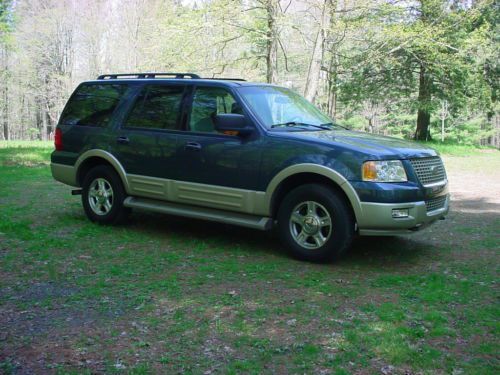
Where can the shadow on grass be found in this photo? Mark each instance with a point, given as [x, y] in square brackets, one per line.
[389, 251]
[384, 253]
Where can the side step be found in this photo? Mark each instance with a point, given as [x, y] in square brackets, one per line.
[203, 213]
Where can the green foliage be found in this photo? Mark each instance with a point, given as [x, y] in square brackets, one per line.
[371, 58]
[453, 43]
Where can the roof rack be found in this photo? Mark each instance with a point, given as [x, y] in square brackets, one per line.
[158, 75]
[226, 79]
[147, 75]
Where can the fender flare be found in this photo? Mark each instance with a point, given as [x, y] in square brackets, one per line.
[109, 158]
[321, 170]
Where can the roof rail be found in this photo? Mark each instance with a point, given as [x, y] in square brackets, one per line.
[226, 79]
[147, 75]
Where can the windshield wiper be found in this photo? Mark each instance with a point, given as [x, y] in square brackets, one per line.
[333, 125]
[295, 123]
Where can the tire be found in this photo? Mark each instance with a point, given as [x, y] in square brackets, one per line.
[315, 223]
[103, 195]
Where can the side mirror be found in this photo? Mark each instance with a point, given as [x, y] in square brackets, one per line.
[232, 123]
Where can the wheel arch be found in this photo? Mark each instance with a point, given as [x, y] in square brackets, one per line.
[93, 158]
[301, 174]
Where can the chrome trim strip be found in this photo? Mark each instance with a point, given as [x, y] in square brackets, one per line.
[436, 184]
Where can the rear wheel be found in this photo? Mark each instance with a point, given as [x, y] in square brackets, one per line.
[103, 195]
[315, 223]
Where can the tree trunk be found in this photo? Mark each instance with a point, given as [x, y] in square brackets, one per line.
[313, 73]
[424, 100]
[332, 84]
[272, 42]
[5, 97]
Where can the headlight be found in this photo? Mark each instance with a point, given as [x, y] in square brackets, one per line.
[384, 171]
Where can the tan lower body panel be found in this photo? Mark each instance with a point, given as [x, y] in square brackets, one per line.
[218, 197]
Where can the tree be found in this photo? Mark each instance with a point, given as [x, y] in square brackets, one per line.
[316, 62]
[5, 29]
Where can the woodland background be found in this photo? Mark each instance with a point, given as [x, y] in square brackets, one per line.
[425, 69]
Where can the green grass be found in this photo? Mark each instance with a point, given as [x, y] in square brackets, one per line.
[458, 149]
[25, 153]
[169, 295]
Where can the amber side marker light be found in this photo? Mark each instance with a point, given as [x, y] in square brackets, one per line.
[369, 171]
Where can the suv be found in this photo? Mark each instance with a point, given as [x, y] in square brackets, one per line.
[249, 154]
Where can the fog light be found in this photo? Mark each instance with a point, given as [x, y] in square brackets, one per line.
[400, 213]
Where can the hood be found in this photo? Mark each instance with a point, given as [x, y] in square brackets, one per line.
[375, 145]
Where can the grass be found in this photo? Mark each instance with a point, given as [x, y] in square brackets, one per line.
[458, 149]
[168, 295]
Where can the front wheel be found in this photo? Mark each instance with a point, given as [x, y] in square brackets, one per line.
[315, 223]
[103, 195]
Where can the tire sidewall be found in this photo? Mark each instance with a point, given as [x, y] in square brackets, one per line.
[340, 214]
[113, 179]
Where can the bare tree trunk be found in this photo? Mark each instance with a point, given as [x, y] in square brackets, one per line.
[313, 73]
[272, 42]
[332, 86]
[5, 97]
[424, 99]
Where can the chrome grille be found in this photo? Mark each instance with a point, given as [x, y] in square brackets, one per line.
[435, 203]
[429, 170]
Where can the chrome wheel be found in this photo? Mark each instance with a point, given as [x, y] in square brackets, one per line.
[100, 196]
[310, 225]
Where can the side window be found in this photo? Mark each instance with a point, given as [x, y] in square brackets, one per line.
[156, 107]
[208, 102]
[93, 104]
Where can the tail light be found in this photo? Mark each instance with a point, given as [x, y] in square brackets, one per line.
[58, 143]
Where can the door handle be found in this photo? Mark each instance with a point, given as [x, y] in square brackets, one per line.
[123, 140]
[193, 146]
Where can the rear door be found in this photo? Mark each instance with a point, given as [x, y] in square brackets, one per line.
[146, 140]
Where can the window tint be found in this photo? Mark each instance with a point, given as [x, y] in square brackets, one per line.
[93, 105]
[157, 107]
[208, 102]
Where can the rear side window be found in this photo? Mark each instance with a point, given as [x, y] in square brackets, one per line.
[93, 104]
[157, 107]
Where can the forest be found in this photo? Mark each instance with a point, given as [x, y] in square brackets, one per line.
[417, 69]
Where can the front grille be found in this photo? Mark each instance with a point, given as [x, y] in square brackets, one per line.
[435, 203]
[429, 170]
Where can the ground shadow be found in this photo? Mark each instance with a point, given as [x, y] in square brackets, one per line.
[387, 251]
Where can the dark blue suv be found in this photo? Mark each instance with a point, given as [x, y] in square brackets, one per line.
[242, 153]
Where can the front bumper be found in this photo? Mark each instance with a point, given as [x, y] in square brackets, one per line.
[377, 220]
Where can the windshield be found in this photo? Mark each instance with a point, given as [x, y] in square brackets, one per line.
[281, 107]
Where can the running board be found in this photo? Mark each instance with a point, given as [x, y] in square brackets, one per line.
[227, 217]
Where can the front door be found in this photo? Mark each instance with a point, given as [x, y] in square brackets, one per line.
[219, 170]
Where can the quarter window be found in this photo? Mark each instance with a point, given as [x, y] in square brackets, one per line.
[208, 102]
[157, 107]
[93, 104]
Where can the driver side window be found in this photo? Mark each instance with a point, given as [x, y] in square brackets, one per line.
[207, 103]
